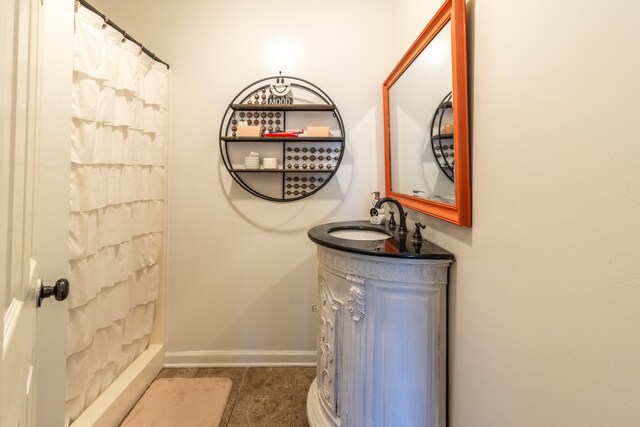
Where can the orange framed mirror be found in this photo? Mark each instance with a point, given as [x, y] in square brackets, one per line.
[426, 130]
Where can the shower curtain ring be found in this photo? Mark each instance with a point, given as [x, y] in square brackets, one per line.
[106, 22]
[124, 36]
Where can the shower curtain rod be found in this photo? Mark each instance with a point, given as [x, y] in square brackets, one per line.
[121, 31]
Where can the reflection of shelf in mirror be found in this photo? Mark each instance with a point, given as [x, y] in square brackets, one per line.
[281, 107]
[298, 139]
[443, 136]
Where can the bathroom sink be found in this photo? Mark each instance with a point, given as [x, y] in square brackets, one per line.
[362, 237]
[358, 233]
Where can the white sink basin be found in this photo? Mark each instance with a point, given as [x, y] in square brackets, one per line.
[359, 234]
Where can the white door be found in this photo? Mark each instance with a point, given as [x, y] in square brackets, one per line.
[34, 175]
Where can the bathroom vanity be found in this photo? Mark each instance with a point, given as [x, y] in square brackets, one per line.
[381, 328]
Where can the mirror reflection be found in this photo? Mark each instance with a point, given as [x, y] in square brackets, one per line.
[421, 124]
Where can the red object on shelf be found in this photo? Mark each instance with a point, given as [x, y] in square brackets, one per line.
[281, 135]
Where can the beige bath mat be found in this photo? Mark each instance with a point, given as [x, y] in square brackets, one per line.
[172, 402]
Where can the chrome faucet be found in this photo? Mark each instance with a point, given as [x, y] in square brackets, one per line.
[403, 222]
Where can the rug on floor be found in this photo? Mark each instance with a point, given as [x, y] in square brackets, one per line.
[169, 402]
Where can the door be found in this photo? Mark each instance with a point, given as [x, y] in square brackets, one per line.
[34, 170]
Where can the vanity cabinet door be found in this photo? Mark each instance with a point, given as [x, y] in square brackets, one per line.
[331, 301]
[342, 354]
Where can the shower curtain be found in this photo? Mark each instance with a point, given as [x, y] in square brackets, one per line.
[117, 206]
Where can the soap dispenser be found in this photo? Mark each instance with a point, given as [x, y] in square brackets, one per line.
[376, 214]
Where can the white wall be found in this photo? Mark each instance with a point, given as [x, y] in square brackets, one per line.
[544, 293]
[241, 271]
[543, 312]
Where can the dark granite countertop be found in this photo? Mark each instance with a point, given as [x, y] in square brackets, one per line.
[394, 247]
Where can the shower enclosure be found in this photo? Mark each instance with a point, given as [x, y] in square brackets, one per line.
[117, 217]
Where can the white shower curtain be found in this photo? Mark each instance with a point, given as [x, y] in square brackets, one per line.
[117, 206]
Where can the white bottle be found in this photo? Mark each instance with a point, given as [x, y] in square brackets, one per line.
[376, 214]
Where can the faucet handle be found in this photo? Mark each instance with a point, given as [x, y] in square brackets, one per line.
[417, 235]
[392, 220]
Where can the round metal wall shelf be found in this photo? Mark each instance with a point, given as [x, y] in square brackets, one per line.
[305, 163]
[441, 138]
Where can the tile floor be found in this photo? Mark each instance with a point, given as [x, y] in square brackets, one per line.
[259, 396]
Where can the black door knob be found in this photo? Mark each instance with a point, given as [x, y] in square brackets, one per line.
[60, 291]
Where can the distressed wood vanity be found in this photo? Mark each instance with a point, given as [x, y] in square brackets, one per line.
[381, 330]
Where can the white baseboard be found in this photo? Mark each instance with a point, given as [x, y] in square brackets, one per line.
[114, 403]
[204, 359]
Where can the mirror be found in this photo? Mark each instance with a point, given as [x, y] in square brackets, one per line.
[426, 124]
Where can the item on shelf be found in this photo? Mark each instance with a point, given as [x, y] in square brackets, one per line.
[270, 163]
[296, 131]
[329, 167]
[249, 131]
[320, 166]
[312, 166]
[252, 161]
[281, 135]
[318, 131]
[280, 92]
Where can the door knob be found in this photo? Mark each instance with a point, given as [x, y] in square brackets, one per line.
[60, 291]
